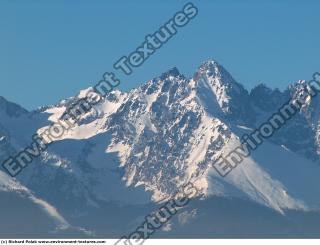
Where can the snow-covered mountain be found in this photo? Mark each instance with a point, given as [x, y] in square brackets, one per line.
[138, 148]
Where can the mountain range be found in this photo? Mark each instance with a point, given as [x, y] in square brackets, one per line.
[134, 150]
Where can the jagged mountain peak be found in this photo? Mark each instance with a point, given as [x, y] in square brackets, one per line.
[212, 69]
[209, 65]
[263, 88]
[212, 74]
[266, 98]
[174, 72]
[10, 108]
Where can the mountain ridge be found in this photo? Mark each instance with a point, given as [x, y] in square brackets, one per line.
[138, 147]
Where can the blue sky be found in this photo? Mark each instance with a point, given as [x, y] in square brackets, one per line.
[49, 50]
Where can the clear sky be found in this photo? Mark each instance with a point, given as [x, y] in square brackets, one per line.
[49, 50]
